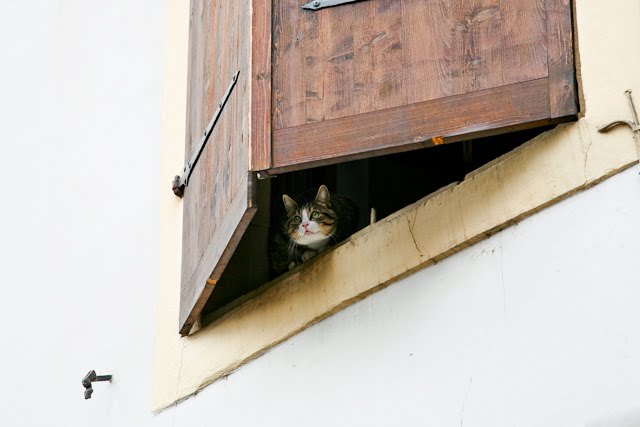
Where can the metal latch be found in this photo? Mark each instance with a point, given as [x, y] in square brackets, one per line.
[634, 124]
[321, 4]
[91, 377]
[180, 182]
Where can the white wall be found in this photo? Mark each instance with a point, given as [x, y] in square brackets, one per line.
[537, 326]
[80, 108]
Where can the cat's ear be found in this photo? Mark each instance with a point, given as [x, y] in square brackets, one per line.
[289, 203]
[323, 195]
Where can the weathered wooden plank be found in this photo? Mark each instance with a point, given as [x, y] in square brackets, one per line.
[218, 253]
[524, 40]
[288, 64]
[387, 44]
[338, 48]
[381, 54]
[476, 45]
[260, 145]
[413, 126]
[364, 32]
[335, 62]
[215, 203]
[562, 86]
[313, 72]
[427, 57]
[416, 51]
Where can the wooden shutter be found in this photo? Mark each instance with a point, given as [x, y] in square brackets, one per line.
[380, 76]
[352, 81]
[219, 200]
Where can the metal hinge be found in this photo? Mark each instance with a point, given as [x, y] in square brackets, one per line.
[321, 4]
[180, 182]
[634, 124]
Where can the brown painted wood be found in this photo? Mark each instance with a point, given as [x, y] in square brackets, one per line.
[380, 54]
[260, 85]
[217, 204]
[369, 77]
[413, 126]
[562, 88]
[524, 40]
[428, 57]
[388, 67]
[477, 45]
[217, 254]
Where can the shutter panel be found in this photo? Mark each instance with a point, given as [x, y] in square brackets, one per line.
[219, 199]
[381, 76]
[352, 81]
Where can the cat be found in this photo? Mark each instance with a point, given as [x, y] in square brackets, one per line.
[310, 227]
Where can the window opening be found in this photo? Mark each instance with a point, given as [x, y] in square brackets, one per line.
[387, 183]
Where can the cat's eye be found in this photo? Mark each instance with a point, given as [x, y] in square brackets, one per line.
[296, 219]
[315, 215]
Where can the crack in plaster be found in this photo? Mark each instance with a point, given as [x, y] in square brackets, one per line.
[582, 130]
[464, 400]
[483, 359]
[177, 400]
[413, 237]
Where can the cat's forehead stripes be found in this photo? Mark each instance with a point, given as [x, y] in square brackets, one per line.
[322, 210]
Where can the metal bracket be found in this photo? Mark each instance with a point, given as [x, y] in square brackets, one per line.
[180, 182]
[264, 175]
[92, 377]
[634, 124]
[321, 4]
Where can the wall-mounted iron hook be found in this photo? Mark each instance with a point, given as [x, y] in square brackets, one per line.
[92, 377]
[634, 125]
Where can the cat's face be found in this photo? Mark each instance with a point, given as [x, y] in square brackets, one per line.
[311, 224]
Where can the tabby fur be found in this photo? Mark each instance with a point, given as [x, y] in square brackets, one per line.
[310, 227]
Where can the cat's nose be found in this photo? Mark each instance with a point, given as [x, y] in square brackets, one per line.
[305, 225]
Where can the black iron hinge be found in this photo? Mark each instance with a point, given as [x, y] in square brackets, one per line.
[321, 4]
[180, 182]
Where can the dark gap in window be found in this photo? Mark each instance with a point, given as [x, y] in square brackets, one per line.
[386, 183]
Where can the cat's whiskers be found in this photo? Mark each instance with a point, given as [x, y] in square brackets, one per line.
[292, 249]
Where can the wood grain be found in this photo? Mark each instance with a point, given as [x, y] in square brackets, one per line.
[313, 70]
[562, 87]
[216, 256]
[524, 40]
[215, 203]
[380, 54]
[387, 45]
[428, 54]
[376, 72]
[260, 85]
[476, 45]
[480, 113]
[364, 31]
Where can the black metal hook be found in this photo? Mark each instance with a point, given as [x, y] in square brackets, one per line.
[92, 377]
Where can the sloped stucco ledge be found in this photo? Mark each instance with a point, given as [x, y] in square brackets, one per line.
[554, 165]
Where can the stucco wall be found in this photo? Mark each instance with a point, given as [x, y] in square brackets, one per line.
[80, 108]
[536, 326]
[553, 166]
